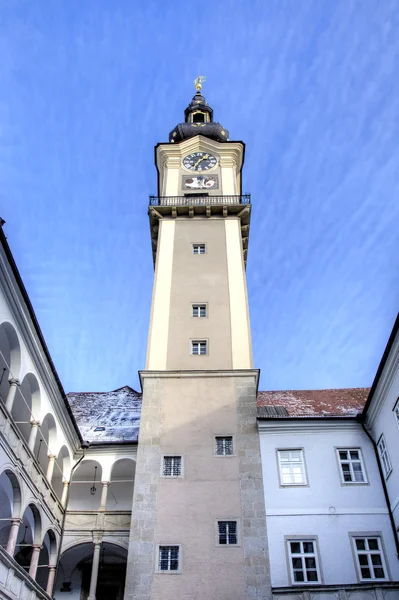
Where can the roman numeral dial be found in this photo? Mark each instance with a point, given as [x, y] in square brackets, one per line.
[200, 161]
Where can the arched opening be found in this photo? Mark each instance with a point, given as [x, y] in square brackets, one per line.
[85, 489]
[47, 558]
[62, 470]
[29, 533]
[75, 570]
[46, 440]
[26, 404]
[120, 491]
[199, 117]
[10, 503]
[10, 358]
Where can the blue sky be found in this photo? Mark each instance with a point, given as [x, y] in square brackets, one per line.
[86, 91]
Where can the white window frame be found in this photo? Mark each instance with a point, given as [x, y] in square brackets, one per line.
[238, 532]
[367, 552]
[199, 305]
[172, 455]
[158, 557]
[351, 461]
[302, 464]
[383, 454]
[198, 245]
[302, 556]
[396, 412]
[199, 341]
[220, 436]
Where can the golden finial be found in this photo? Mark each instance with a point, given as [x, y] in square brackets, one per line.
[198, 81]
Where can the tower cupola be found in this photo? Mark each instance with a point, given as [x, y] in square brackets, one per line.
[198, 120]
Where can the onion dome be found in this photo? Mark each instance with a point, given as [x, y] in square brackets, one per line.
[198, 120]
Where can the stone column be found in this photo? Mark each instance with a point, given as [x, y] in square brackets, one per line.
[50, 467]
[104, 493]
[50, 581]
[65, 493]
[34, 561]
[13, 535]
[14, 383]
[33, 434]
[94, 571]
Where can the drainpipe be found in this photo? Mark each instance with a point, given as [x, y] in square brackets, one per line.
[84, 447]
[384, 487]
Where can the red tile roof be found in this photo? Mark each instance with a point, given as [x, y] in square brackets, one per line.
[315, 403]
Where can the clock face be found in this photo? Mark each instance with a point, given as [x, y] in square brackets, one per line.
[199, 161]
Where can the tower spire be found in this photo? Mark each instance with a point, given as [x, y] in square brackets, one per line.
[198, 120]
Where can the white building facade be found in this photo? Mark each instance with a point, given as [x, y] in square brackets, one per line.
[329, 528]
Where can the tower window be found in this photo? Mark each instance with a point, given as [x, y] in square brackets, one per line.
[172, 466]
[199, 347]
[227, 531]
[224, 445]
[198, 117]
[198, 248]
[199, 310]
[168, 558]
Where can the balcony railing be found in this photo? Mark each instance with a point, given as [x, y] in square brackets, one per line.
[199, 200]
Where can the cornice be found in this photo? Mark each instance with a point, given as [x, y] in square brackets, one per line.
[200, 374]
[308, 425]
[230, 153]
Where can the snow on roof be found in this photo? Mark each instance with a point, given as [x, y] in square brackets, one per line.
[317, 403]
[107, 416]
[115, 416]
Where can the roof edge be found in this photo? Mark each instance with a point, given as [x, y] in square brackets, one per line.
[381, 366]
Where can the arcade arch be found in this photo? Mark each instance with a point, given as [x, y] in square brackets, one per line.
[85, 488]
[75, 571]
[10, 504]
[10, 357]
[120, 492]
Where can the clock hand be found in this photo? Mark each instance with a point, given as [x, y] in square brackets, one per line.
[201, 159]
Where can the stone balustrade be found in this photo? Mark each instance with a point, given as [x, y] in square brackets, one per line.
[15, 582]
[90, 520]
[17, 448]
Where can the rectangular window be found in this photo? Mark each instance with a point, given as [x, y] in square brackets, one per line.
[168, 558]
[199, 310]
[171, 466]
[384, 456]
[198, 248]
[370, 558]
[351, 463]
[199, 347]
[396, 412]
[303, 561]
[224, 445]
[227, 531]
[292, 467]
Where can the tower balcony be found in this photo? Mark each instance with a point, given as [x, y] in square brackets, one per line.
[200, 200]
[200, 206]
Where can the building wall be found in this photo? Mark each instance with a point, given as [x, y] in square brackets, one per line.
[325, 507]
[217, 279]
[181, 415]
[381, 419]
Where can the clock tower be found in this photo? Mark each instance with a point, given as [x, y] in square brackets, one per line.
[198, 519]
